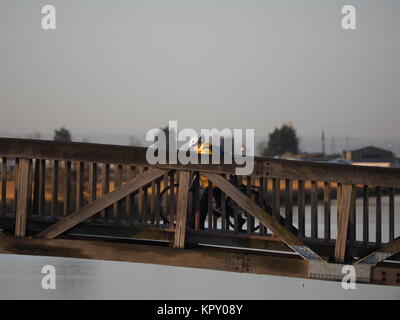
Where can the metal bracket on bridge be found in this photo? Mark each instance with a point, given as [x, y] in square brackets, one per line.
[375, 258]
[305, 252]
[322, 270]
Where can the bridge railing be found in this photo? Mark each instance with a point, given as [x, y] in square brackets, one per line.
[305, 197]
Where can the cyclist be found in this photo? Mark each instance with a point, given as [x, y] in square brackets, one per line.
[201, 146]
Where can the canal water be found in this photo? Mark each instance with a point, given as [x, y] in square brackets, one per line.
[21, 277]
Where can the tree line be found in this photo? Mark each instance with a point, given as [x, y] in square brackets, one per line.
[280, 140]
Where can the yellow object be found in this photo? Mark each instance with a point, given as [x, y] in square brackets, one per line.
[205, 148]
[204, 181]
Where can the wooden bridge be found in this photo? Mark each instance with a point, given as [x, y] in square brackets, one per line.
[289, 218]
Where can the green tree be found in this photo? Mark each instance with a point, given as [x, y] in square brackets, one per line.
[282, 140]
[62, 134]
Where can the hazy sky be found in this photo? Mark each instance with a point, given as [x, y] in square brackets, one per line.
[122, 67]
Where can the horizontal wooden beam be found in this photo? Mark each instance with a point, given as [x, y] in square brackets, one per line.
[327, 172]
[276, 168]
[201, 257]
[266, 219]
[101, 203]
[92, 152]
[212, 238]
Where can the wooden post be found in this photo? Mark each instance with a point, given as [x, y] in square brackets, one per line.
[105, 187]
[67, 188]
[3, 209]
[54, 191]
[345, 204]
[181, 215]
[327, 211]
[23, 197]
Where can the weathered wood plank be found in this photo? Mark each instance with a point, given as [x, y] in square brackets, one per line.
[365, 214]
[80, 184]
[145, 204]
[210, 213]
[262, 201]
[100, 204]
[35, 201]
[301, 208]
[30, 188]
[181, 213]
[346, 174]
[3, 186]
[224, 218]
[202, 257]
[129, 201]
[269, 221]
[117, 183]
[314, 210]
[16, 174]
[196, 201]
[21, 213]
[352, 218]
[276, 191]
[105, 187]
[289, 203]
[67, 188]
[378, 217]
[327, 210]
[54, 189]
[249, 217]
[383, 253]
[344, 208]
[42, 187]
[140, 200]
[158, 202]
[171, 199]
[391, 214]
[92, 181]
[216, 238]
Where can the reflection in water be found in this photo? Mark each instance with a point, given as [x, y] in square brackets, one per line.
[20, 277]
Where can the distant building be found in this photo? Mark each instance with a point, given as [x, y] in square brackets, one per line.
[316, 157]
[371, 156]
[367, 156]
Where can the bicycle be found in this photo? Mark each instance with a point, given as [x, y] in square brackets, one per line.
[230, 206]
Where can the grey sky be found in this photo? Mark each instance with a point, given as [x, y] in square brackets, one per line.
[122, 67]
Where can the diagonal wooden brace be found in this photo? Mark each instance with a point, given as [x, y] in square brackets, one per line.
[100, 204]
[381, 254]
[267, 220]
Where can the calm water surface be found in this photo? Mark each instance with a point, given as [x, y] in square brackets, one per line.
[20, 278]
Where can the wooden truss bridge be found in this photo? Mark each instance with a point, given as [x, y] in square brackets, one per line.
[288, 218]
